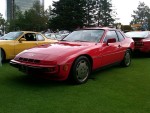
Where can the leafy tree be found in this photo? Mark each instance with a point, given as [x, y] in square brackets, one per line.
[2, 20]
[142, 14]
[15, 22]
[68, 14]
[2, 23]
[104, 11]
[89, 15]
[49, 13]
[34, 19]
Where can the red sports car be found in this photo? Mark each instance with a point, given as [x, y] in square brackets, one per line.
[141, 39]
[77, 55]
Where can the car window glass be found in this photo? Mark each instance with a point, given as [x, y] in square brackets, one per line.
[52, 36]
[87, 35]
[39, 37]
[111, 34]
[120, 36]
[138, 34]
[29, 37]
[149, 35]
[12, 35]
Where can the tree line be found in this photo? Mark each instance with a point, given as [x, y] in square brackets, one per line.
[70, 15]
[141, 16]
[65, 14]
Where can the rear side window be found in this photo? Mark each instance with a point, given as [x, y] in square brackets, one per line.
[111, 34]
[120, 36]
[149, 34]
[39, 37]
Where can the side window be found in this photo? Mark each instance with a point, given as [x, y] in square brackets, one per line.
[121, 37]
[111, 34]
[29, 37]
[53, 36]
[39, 37]
[148, 34]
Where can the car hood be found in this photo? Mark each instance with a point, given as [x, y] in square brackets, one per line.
[57, 51]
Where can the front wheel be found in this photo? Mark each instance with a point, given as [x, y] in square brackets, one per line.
[127, 59]
[2, 55]
[81, 70]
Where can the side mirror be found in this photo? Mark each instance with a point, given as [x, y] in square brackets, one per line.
[22, 39]
[111, 40]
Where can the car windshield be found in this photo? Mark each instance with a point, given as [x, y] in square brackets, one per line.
[138, 34]
[12, 35]
[84, 36]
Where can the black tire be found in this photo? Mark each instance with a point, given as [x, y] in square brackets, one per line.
[126, 62]
[81, 70]
[2, 53]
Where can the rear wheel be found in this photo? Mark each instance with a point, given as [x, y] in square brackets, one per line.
[127, 59]
[81, 70]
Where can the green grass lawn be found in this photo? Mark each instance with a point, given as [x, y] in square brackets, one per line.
[113, 90]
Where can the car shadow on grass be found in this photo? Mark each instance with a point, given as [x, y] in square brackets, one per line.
[140, 55]
[101, 71]
[30, 81]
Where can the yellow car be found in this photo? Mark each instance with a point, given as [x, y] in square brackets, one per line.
[14, 42]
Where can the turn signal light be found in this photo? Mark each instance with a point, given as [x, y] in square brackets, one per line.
[65, 67]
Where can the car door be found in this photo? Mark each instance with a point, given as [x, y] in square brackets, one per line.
[121, 49]
[110, 51]
[28, 40]
[41, 40]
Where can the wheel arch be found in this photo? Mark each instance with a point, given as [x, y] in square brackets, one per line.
[89, 58]
[71, 76]
[3, 52]
[131, 51]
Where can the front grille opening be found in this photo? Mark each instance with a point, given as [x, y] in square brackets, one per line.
[29, 60]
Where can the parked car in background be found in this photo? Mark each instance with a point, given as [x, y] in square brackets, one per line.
[15, 42]
[77, 55]
[141, 39]
[61, 36]
[64, 32]
[1, 37]
[56, 36]
[1, 34]
[51, 36]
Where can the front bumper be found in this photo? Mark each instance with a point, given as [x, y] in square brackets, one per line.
[55, 72]
[142, 49]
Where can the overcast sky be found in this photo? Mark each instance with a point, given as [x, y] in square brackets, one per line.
[124, 8]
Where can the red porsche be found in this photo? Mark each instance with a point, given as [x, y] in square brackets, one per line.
[141, 39]
[77, 55]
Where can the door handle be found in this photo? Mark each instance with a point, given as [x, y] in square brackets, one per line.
[119, 46]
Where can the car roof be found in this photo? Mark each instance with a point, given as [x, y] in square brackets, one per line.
[139, 31]
[104, 28]
[26, 31]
